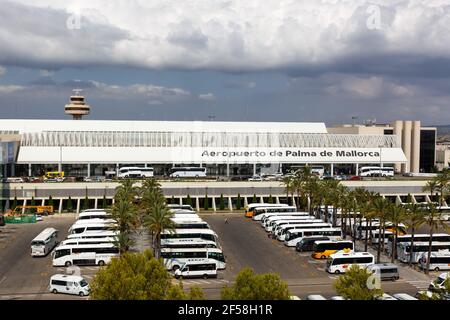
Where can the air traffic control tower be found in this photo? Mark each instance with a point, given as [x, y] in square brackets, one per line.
[77, 106]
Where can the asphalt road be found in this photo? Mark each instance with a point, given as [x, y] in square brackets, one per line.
[21, 275]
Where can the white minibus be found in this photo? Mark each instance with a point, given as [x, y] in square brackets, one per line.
[439, 260]
[135, 172]
[341, 261]
[174, 258]
[69, 284]
[187, 172]
[196, 269]
[404, 250]
[295, 235]
[84, 254]
[44, 242]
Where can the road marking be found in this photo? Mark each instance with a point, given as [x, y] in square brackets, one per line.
[3, 279]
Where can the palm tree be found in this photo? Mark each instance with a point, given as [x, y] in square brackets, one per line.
[430, 186]
[288, 182]
[328, 187]
[414, 218]
[434, 222]
[157, 221]
[381, 207]
[126, 190]
[396, 215]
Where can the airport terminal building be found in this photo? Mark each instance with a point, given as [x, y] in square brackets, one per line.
[91, 147]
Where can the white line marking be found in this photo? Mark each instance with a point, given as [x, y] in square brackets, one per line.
[3, 279]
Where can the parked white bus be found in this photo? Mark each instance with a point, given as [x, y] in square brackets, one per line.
[192, 223]
[88, 241]
[277, 224]
[44, 242]
[275, 215]
[84, 254]
[281, 234]
[91, 228]
[195, 269]
[249, 209]
[422, 237]
[180, 207]
[377, 237]
[174, 258]
[296, 235]
[270, 221]
[258, 213]
[84, 222]
[206, 234]
[438, 260]
[190, 243]
[404, 250]
[135, 172]
[187, 172]
[341, 261]
[94, 235]
[376, 172]
[94, 215]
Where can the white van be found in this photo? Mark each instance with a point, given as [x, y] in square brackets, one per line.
[61, 283]
[197, 269]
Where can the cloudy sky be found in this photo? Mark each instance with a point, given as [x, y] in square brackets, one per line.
[283, 60]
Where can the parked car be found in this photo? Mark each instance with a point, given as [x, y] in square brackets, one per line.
[255, 178]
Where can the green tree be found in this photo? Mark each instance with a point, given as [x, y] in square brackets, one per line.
[206, 203]
[33, 202]
[270, 199]
[50, 201]
[137, 276]
[221, 203]
[414, 219]
[355, 285]
[104, 205]
[173, 200]
[254, 200]
[85, 203]
[396, 215]
[238, 202]
[251, 286]
[14, 203]
[69, 205]
[189, 200]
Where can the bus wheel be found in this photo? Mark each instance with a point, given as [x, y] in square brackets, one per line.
[68, 264]
[323, 257]
[54, 291]
[175, 268]
[81, 294]
[196, 176]
[205, 276]
[337, 272]
[101, 263]
[436, 269]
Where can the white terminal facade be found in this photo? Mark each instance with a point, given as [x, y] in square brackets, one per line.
[91, 147]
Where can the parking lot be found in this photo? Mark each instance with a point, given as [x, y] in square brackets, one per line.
[244, 243]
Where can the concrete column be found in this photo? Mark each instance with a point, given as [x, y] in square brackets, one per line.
[254, 169]
[427, 198]
[332, 169]
[181, 200]
[43, 202]
[13, 169]
[197, 204]
[228, 169]
[413, 197]
[261, 199]
[406, 142]
[398, 131]
[24, 204]
[29, 169]
[89, 170]
[245, 201]
[95, 203]
[277, 199]
[214, 203]
[230, 204]
[415, 147]
[117, 169]
[78, 205]
[357, 169]
[60, 205]
[398, 200]
[113, 200]
[293, 202]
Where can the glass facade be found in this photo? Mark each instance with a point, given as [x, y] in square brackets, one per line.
[427, 150]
